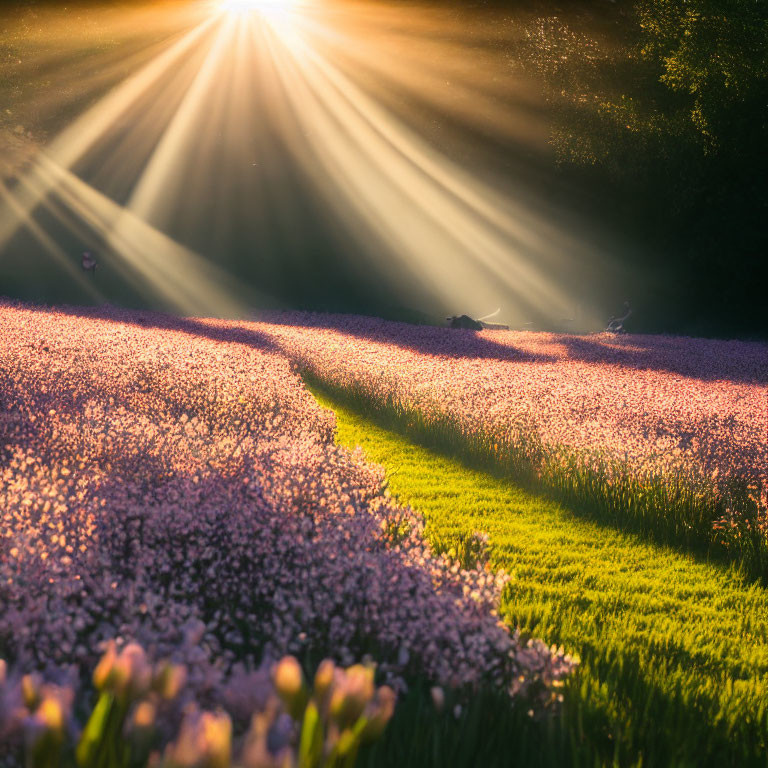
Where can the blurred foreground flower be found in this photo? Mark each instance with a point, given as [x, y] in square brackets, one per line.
[45, 729]
[344, 711]
[138, 704]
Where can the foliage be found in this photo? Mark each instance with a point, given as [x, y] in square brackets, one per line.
[661, 123]
[716, 52]
[469, 550]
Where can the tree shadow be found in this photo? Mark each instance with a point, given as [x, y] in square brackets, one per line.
[227, 334]
[430, 340]
[739, 362]
[735, 361]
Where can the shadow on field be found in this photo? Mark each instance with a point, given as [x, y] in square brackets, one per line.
[635, 695]
[161, 321]
[689, 531]
[431, 340]
[738, 362]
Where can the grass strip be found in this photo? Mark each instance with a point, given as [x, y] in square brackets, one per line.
[664, 510]
[674, 651]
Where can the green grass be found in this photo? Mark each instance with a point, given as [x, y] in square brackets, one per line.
[674, 650]
[673, 510]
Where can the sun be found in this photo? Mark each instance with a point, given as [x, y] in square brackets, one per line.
[271, 10]
[247, 6]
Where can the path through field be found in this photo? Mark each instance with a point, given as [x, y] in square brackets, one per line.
[674, 650]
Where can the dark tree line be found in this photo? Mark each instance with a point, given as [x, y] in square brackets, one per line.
[672, 125]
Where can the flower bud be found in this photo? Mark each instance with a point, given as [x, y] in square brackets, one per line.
[289, 684]
[169, 680]
[140, 730]
[144, 716]
[255, 753]
[324, 679]
[102, 675]
[44, 730]
[217, 734]
[352, 693]
[438, 697]
[133, 673]
[205, 741]
[30, 691]
[380, 713]
[50, 714]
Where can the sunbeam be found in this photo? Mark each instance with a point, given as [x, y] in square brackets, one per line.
[237, 7]
[432, 217]
[49, 245]
[268, 9]
[75, 140]
[263, 138]
[179, 278]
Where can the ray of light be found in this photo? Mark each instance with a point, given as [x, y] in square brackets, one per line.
[247, 81]
[161, 185]
[179, 278]
[243, 9]
[435, 219]
[424, 57]
[49, 245]
[75, 140]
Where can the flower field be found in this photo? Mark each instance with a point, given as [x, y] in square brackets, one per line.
[173, 484]
[174, 509]
[665, 434]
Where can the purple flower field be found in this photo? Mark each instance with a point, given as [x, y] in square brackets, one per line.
[685, 413]
[171, 482]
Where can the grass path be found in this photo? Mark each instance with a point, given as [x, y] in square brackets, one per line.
[674, 651]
